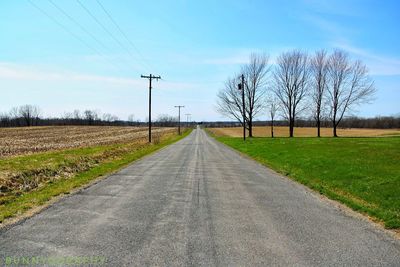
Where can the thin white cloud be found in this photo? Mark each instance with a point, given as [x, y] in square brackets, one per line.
[229, 56]
[31, 73]
[243, 57]
[378, 64]
[340, 35]
[21, 72]
[229, 60]
[329, 18]
[336, 7]
[327, 26]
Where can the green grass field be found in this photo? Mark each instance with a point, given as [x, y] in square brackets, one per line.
[37, 178]
[363, 173]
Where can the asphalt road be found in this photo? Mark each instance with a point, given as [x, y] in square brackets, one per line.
[198, 202]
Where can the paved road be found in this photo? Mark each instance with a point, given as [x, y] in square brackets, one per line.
[199, 203]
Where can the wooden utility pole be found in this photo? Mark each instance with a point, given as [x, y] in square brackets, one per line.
[187, 119]
[150, 77]
[179, 118]
[241, 86]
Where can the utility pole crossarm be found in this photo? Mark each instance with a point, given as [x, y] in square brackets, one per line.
[150, 77]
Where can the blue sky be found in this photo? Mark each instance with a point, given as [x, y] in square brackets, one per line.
[193, 45]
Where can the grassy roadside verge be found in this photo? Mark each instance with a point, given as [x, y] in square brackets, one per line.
[362, 173]
[36, 179]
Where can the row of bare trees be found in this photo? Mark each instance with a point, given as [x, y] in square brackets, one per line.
[378, 122]
[31, 115]
[327, 86]
[27, 115]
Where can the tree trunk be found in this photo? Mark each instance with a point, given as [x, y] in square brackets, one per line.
[318, 127]
[272, 128]
[291, 126]
[334, 129]
[250, 127]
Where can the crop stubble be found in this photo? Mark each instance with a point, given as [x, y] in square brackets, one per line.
[28, 140]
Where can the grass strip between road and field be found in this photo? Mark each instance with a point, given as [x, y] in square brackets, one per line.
[362, 173]
[60, 172]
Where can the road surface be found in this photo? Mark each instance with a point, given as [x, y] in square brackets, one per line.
[198, 202]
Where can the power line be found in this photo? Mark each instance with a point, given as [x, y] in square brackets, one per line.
[63, 26]
[83, 29]
[68, 31]
[123, 33]
[78, 24]
[105, 29]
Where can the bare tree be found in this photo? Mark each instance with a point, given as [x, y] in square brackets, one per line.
[165, 120]
[230, 102]
[256, 78]
[319, 83]
[132, 121]
[67, 116]
[5, 119]
[350, 85]
[14, 113]
[131, 118]
[77, 114]
[108, 117]
[90, 116]
[291, 79]
[29, 113]
[273, 107]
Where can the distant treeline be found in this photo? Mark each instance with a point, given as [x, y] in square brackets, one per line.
[380, 122]
[29, 115]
